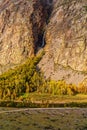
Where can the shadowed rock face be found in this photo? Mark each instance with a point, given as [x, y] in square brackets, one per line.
[66, 40]
[21, 21]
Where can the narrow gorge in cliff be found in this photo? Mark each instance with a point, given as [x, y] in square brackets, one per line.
[43, 64]
[42, 49]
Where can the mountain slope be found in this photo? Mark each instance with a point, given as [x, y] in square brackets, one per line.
[21, 23]
[66, 42]
[61, 25]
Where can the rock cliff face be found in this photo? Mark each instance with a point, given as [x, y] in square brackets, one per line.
[66, 41]
[21, 23]
[64, 24]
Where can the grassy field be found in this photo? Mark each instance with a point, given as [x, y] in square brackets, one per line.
[47, 100]
[56, 98]
[69, 117]
[44, 119]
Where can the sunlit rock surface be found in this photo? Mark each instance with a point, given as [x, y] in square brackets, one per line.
[21, 22]
[66, 41]
[24, 24]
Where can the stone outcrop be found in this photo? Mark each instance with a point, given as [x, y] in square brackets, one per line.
[62, 24]
[21, 23]
[66, 41]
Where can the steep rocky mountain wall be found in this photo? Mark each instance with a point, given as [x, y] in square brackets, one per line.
[62, 24]
[66, 41]
[21, 23]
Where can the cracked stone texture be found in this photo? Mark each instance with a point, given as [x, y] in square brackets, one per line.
[20, 23]
[66, 41]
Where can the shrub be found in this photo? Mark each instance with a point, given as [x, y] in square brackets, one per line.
[58, 88]
[23, 79]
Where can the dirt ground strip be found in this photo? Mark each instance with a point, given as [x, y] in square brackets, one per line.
[43, 119]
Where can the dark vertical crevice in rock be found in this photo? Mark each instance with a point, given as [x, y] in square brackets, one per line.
[44, 10]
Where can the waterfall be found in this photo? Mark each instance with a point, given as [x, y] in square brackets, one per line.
[43, 41]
